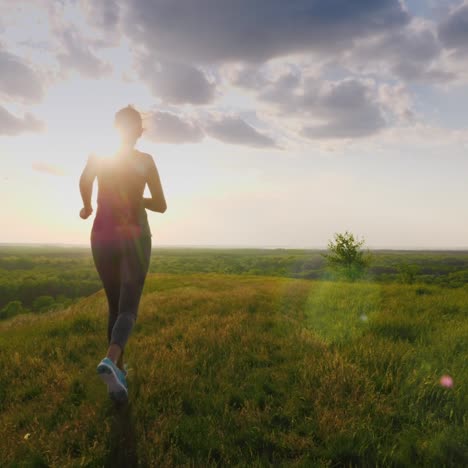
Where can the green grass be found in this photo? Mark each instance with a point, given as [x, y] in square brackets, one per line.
[244, 371]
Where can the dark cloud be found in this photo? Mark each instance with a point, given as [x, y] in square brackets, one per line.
[411, 53]
[348, 109]
[19, 80]
[234, 130]
[344, 128]
[77, 55]
[249, 77]
[209, 31]
[453, 30]
[175, 82]
[47, 168]
[103, 14]
[283, 91]
[165, 127]
[11, 125]
[104, 18]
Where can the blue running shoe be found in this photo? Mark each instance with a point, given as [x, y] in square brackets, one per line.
[114, 378]
[125, 370]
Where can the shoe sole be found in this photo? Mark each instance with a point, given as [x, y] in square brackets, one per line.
[116, 389]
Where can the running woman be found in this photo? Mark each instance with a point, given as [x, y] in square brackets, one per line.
[121, 236]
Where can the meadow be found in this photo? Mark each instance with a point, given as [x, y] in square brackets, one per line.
[252, 367]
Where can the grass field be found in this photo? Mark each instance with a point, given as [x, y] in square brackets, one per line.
[244, 371]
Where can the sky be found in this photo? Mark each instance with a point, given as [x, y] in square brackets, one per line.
[272, 123]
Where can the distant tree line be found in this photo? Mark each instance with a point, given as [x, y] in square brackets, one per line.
[37, 279]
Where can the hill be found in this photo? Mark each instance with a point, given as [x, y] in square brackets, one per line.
[244, 370]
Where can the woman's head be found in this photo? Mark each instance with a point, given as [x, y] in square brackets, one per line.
[129, 124]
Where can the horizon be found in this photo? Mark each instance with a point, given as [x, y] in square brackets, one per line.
[244, 247]
[347, 118]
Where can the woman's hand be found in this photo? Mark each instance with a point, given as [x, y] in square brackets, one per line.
[86, 212]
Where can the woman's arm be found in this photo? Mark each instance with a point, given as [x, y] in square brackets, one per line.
[86, 186]
[157, 202]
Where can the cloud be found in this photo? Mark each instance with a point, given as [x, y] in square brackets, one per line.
[104, 18]
[47, 168]
[301, 102]
[165, 127]
[348, 109]
[211, 31]
[234, 130]
[175, 82]
[11, 125]
[75, 49]
[247, 76]
[453, 30]
[104, 15]
[19, 80]
[284, 91]
[412, 53]
[396, 103]
[337, 129]
[77, 55]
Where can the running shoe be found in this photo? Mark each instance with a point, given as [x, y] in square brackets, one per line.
[126, 370]
[114, 378]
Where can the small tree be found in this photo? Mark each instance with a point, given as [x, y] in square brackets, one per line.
[345, 256]
[11, 309]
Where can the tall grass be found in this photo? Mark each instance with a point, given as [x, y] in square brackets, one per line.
[244, 371]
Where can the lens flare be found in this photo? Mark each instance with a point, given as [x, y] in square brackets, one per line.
[446, 381]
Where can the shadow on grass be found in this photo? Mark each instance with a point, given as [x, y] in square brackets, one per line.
[122, 443]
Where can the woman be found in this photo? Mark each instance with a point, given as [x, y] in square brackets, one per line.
[121, 236]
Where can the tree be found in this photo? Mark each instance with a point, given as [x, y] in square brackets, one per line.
[43, 303]
[11, 309]
[345, 256]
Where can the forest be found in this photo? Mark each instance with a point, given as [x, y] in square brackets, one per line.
[44, 277]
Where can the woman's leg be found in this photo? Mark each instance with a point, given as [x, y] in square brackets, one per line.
[107, 259]
[136, 255]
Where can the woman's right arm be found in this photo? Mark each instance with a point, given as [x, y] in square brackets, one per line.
[157, 202]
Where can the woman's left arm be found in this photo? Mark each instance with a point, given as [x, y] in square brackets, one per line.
[86, 186]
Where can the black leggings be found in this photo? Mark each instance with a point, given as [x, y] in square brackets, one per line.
[122, 266]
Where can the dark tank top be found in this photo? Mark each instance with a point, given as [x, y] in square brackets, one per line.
[120, 212]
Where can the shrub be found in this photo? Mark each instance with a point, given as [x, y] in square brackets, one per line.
[11, 309]
[43, 303]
